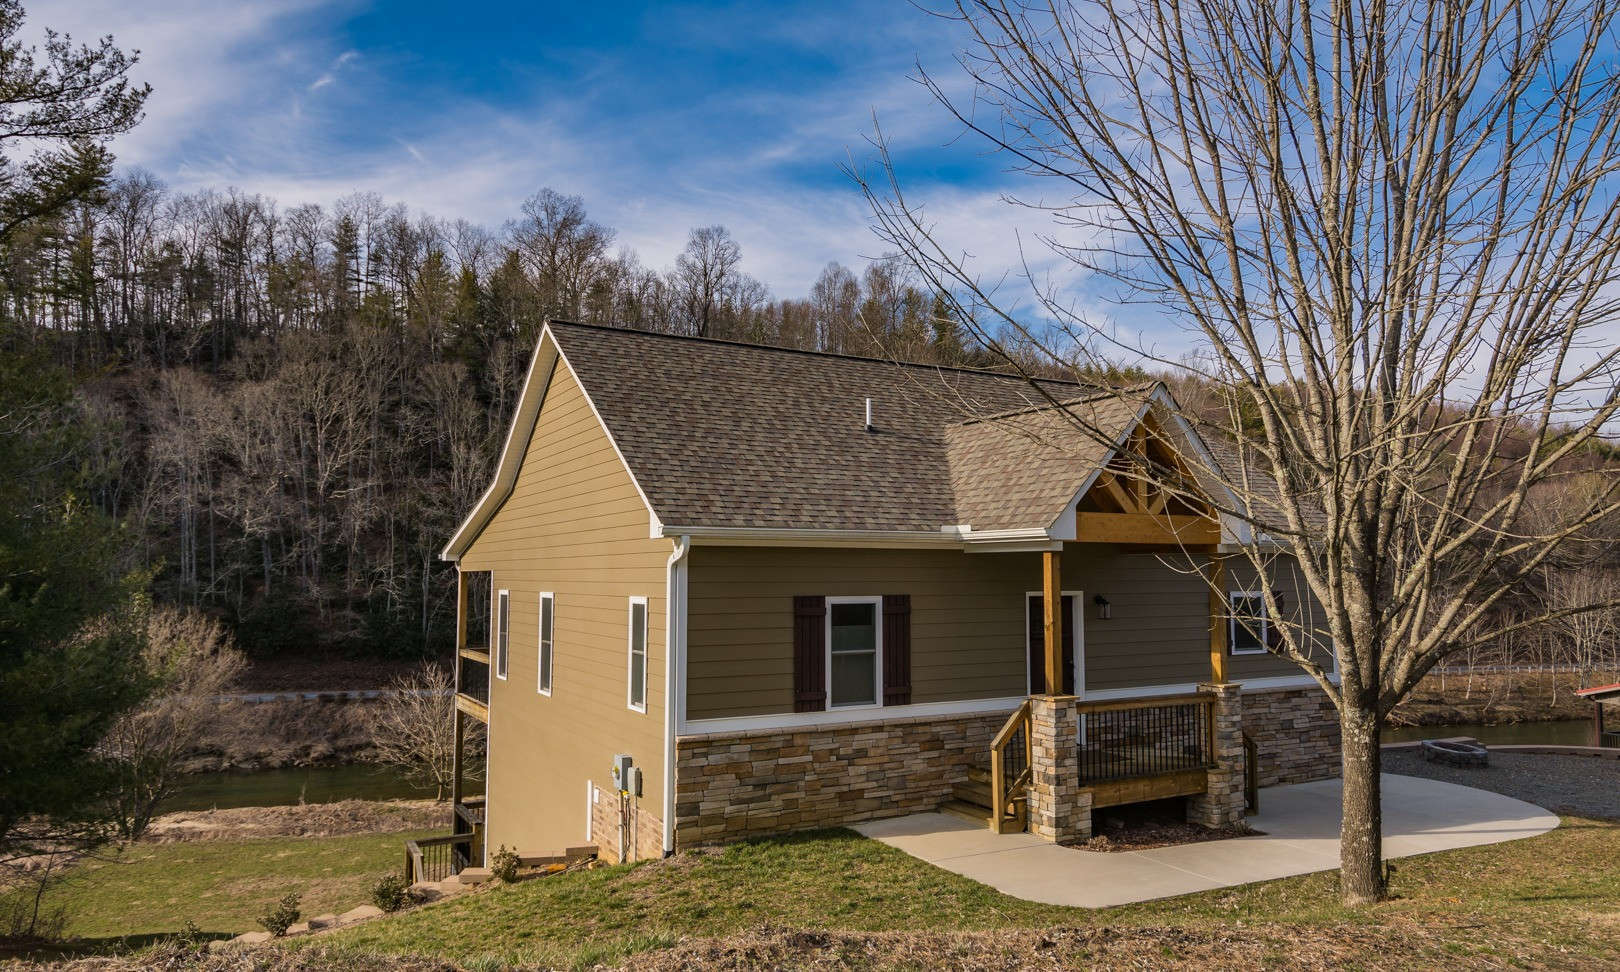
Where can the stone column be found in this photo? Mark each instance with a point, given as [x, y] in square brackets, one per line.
[1223, 804]
[1058, 811]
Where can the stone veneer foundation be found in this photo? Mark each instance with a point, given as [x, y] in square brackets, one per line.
[770, 781]
[745, 784]
[1296, 732]
[645, 826]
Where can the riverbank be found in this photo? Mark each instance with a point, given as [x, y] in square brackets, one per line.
[346, 818]
[1495, 698]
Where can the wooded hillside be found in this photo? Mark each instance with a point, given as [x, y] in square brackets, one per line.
[293, 406]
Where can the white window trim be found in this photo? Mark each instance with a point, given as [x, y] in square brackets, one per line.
[503, 638]
[877, 653]
[1078, 608]
[629, 653]
[541, 669]
[1232, 624]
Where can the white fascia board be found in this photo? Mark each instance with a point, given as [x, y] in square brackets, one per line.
[768, 537]
[536, 382]
[874, 715]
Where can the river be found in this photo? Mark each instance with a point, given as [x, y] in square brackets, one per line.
[310, 784]
[1569, 732]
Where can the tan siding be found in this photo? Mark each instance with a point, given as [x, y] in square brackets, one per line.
[574, 525]
[968, 618]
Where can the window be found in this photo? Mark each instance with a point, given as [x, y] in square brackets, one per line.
[638, 654]
[547, 621]
[1247, 629]
[854, 646]
[503, 628]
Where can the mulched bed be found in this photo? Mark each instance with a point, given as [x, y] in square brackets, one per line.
[1580, 786]
[1143, 826]
[1149, 836]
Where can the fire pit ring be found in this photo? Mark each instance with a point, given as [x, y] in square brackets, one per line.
[1454, 752]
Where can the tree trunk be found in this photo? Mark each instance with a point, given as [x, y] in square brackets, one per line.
[1361, 863]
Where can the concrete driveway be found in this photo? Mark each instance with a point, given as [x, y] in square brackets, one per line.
[1299, 834]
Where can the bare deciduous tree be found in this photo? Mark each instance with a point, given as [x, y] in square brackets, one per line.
[191, 661]
[415, 729]
[1391, 230]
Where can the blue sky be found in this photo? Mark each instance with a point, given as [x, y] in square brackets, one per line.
[661, 117]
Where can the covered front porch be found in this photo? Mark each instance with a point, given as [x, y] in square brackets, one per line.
[1061, 755]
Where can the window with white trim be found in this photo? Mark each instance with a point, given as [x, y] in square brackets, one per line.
[548, 621]
[1247, 625]
[854, 651]
[503, 629]
[638, 654]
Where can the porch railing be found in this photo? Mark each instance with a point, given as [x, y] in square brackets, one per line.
[1134, 738]
[1010, 759]
[1610, 740]
[473, 679]
[436, 858]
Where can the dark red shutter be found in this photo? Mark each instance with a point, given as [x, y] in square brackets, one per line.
[897, 649]
[809, 654]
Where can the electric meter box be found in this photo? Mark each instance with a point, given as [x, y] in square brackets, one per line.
[623, 766]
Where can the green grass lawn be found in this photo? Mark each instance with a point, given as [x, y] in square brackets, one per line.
[220, 885]
[1549, 900]
[832, 898]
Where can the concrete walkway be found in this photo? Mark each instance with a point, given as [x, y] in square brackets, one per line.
[1299, 834]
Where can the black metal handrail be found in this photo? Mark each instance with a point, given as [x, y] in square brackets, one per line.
[474, 678]
[1146, 737]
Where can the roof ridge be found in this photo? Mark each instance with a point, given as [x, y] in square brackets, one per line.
[1101, 394]
[727, 342]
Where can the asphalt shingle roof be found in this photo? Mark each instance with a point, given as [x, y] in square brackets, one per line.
[720, 434]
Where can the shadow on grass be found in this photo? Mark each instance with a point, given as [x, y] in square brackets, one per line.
[42, 950]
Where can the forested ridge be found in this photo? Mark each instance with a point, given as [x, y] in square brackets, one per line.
[292, 407]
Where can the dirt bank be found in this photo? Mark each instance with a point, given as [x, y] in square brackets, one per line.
[1495, 697]
[270, 735]
[344, 818]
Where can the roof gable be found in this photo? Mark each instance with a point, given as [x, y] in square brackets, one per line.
[721, 437]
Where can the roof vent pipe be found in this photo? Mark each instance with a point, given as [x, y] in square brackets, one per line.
[868, 415]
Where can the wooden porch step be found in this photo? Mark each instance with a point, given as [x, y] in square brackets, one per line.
[979, 774]
[967, 811]
[976, 794]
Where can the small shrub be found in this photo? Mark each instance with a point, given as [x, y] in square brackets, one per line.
[503, 864]
[190, 936]
[282, 917]
[389, 892]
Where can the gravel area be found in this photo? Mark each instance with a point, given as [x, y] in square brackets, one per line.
[1582, 786]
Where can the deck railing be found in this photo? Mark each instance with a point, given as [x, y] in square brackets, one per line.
[1134, 738]
[1010, 758]
[436, 858]
[474, 676]
[1610, 740]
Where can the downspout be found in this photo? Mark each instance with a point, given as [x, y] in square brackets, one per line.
[674, 675]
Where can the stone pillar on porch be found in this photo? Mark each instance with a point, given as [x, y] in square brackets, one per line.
[1058, 810]
[1222, 804]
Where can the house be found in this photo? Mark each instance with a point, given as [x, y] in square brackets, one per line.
[718, 590]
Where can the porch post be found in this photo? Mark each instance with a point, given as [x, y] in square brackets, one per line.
[1222, 804]
[1059, 811]
[1597, 722]
[455, 687]
[1052, 604]
[1217, 619]
[457, 760]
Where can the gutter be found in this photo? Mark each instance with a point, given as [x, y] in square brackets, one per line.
[674, 675]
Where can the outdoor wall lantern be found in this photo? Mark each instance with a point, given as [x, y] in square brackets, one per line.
[1104, 609]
